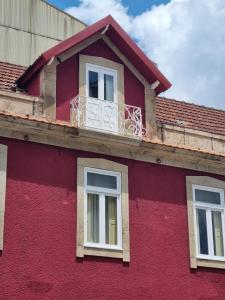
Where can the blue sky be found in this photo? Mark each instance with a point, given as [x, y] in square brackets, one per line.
[135, 7]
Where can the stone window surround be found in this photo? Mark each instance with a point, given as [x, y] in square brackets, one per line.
[103, 164]
[207, 182]
[105, 63]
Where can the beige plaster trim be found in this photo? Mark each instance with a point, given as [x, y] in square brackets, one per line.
[66, 136]
[102, 62]
[111, 166]
[150, 114]
[20, 97]
[20, 103]
[183, 136]
[67, 54]
[211, 264]
[48, 89]
[192, 131]
[3, 170]
[208, 182]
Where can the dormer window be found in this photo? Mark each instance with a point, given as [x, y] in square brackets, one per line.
[101, 100]
[100, 105]
[102, 83]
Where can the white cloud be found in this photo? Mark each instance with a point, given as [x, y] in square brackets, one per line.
[89, 11]
[185, 37]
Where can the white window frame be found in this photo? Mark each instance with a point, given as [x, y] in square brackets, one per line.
[106, 165]
[208, 208]
[101, 71]
[102, 192]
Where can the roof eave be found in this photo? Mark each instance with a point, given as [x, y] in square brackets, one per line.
[31, 71]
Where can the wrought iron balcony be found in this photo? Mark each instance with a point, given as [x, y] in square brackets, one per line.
[107, 116]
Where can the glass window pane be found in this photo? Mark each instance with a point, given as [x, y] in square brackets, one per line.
[217, 233]
[202, 231]
[207, 196]
[111, 220]
[108, 87]
[93, 84]
[99, 180]
[93, 218]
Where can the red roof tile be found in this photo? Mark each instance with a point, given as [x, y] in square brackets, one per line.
[189, 115]
[168, 111]
[9, 73]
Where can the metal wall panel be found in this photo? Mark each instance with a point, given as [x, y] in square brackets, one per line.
[30, 27]
[22, 48]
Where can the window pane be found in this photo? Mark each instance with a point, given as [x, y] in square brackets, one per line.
[111, 220]
[207, 196]
[93, 218]
[99, 180]
[217, 233]
[202, 231]
[108, 87]
[93, 84]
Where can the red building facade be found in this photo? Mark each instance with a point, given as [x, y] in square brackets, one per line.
[46, 254]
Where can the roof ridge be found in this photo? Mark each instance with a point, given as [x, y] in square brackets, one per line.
[192, 103]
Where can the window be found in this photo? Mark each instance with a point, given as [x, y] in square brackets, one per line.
[3, 167]
[102, 82]
[101, 102]
[101, 90]
[102, 209]
[206, 207]
[102, 214]
[101, 78]
[209, 214]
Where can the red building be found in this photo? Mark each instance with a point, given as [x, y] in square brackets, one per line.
[108, 191]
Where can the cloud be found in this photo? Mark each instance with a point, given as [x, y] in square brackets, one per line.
[185, 37]
[89, 11]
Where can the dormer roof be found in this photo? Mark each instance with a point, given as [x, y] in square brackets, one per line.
[119, 37]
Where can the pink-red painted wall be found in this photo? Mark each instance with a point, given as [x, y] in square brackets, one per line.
[67, 86]
[33, 87]
[68, 78]
[38, 260]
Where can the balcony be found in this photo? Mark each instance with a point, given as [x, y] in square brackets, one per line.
[107, 116]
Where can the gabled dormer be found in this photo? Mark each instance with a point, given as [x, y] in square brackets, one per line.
[99, 79]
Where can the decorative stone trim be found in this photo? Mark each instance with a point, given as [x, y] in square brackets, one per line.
[110, 166]
[208, 182]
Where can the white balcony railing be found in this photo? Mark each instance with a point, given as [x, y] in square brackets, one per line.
[106, 116]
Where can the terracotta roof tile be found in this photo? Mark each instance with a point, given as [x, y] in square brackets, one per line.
[9, 73]
[189, 115]
[168, 111]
